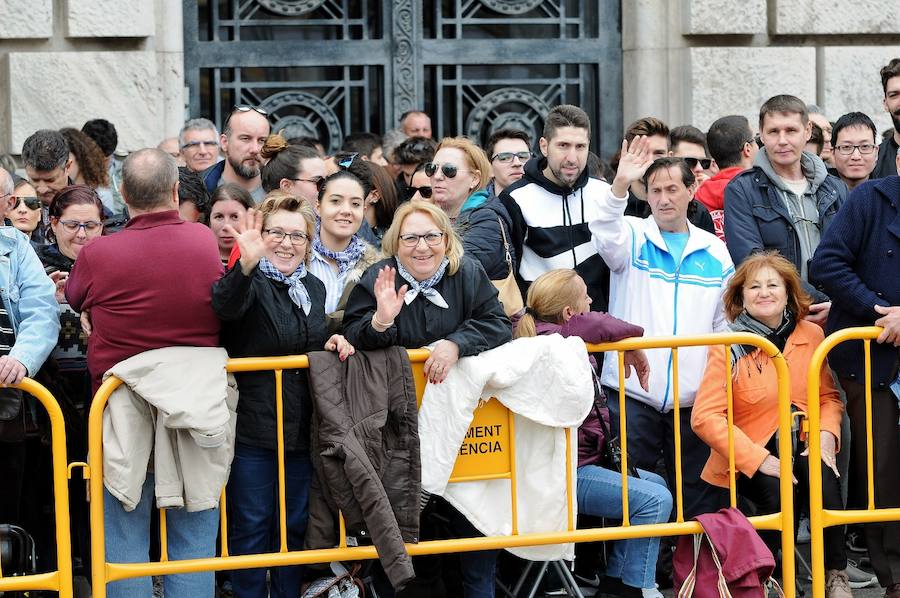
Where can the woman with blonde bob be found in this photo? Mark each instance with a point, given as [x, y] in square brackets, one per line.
[270, 305]
[459, 175]
[427, 291]
[765, 297]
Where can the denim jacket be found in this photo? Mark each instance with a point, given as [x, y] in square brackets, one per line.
[29, 299]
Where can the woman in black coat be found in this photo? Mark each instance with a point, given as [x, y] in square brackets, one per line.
[429, 292]
[269, 305]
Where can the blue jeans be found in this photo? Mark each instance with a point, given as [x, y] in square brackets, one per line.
[253, 517]
[649, 501]
[190, 536]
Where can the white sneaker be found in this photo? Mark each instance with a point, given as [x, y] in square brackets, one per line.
[652, 592]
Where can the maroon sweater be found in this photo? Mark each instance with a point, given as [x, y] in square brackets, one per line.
[147, 287]
[592, 327]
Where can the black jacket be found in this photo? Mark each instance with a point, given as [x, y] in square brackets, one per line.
[260, 320]
[482, 238]
[887, 159]
[757, 219]
[474, 319]
[552, 223]
[365, 451]
[858, 264]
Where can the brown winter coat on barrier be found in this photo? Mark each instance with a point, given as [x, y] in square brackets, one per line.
[365, 450]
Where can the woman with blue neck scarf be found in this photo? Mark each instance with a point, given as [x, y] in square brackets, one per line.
[269, 306]
[339, 255]
[427, 291]
[459, 174]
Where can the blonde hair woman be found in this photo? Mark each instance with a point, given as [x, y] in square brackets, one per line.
[269, 306]
[459, 175]
[427, 291]
[558, 303]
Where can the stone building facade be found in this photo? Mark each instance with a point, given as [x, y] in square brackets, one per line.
[687, 61]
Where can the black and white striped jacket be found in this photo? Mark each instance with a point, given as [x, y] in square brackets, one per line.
[550, 229]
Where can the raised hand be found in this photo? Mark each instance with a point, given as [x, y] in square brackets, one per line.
[636, 159]
[249, 240]
[389, 301]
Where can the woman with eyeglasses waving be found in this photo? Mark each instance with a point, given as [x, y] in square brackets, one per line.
[427, 291]
[459, 174]
[270, 305]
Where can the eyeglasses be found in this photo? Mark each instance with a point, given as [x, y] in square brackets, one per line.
[759, 142]
[32, 203]
[425, 191]
[704, 163]
[316, 180]
[450, 170]
[244, 108]
[192, 145]
[431, 239]
[73, 225]
[504, 157]
[278, 235]
[846, 149]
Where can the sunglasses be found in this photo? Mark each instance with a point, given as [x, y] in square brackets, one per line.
[32, 203]
[244, 108]
[450, 170]
[704, 163]
[425, 191]
[504, 157]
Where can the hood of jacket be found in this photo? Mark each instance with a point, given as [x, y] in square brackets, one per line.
[712, 192]
[534, 172]
[811, 165]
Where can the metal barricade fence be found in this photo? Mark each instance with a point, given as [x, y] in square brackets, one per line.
[820, 518]
[105, 572]
[59, 580]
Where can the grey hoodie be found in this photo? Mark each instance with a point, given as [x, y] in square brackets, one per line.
[803, 210]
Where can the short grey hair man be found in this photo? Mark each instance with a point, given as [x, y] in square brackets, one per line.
[199, 143]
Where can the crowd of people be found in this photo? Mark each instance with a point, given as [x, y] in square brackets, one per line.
[243, 239]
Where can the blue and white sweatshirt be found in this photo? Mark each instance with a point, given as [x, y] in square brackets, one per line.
[649, 288]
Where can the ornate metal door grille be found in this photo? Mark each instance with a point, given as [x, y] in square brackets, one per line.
[329, 67]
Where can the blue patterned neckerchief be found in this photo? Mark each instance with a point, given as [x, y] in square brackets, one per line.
[296, 289]
[345, 259]
[424, 287]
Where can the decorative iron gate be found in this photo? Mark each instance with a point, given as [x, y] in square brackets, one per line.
[326, 68]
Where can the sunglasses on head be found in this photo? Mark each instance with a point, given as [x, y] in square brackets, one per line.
[450, 170]
[704, 163]
[425, 191]
[244, 108]
[32, 203]
[347, 161]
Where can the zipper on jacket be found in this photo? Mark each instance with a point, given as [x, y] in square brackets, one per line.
[674, 333]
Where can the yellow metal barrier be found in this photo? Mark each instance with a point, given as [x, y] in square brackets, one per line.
[61, 579]
[105, 572]
[820, 518]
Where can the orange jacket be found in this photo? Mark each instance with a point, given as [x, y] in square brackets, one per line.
[756, 403]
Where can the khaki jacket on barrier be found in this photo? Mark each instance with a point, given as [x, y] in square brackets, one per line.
[177, 403]
[755, 391]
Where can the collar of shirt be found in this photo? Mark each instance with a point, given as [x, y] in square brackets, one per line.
[153, 219]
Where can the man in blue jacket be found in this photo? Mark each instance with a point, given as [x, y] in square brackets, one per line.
[787, 200]
[857, 264]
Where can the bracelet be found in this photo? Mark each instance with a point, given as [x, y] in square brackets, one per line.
[380, 326]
